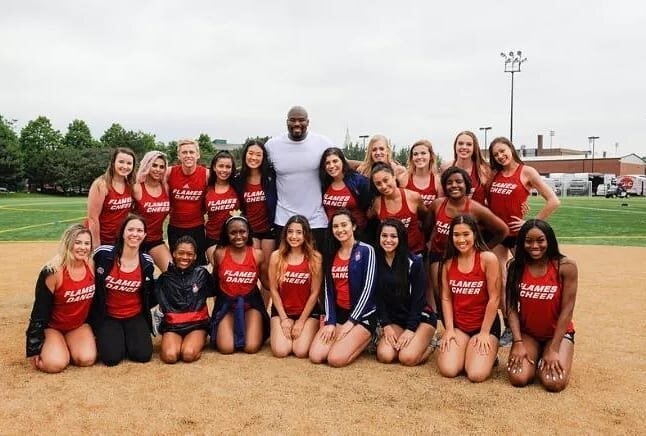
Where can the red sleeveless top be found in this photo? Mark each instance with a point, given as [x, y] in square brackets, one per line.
[296, 287]
[335, 199]
[506, 196]
[186, 197]
[256, 208]
[428, 194]
[123, 292]
[238, 279]
[218, 207]
[478, 191]
[72, 301]
[470, 295]
[341, 282]
[154, 211]
[410, 221]
[540, 303]
[114, 211]
[441, 229]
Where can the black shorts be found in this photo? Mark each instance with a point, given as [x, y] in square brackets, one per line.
[197, 233]
[263, 235]
[427, 317]
[149, 245]
[495, 329]
[184, 330]
[316, 313]
[568, 335]
[369, 322]
[509, 242]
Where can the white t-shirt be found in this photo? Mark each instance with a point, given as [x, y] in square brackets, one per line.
[297, 177]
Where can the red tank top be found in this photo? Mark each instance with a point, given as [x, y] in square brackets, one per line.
[341, 281]
[72, 301]
[154, 211]
[540, 303]
[410, 221]
[296, 287]
[470, 295]
[506, 196]
[123, 292]
[335, 199]
[442, 224]
[238, 279]
[256, 208]
[186, 197]
[428, 194]
[218, 207]
[115, 210]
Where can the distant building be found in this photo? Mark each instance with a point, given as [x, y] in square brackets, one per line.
[222, 144]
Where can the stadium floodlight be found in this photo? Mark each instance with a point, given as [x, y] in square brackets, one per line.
[513, 63]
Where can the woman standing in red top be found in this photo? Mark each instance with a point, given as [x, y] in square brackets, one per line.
[400, 203]
[220, 198]
[467, 155]
[110, 198]
[240, 320]
[58, 332]
[422, 174]
[152, 204]
[295, 283]
[541, 291]
[471, 290]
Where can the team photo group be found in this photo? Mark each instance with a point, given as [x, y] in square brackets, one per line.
[322, 255]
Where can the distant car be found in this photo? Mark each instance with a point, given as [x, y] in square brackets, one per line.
[615, 191]
[5, 191]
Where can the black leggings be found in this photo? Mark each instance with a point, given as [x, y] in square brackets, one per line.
[120, 338]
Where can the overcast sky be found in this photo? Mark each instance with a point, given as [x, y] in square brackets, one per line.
[409, 70]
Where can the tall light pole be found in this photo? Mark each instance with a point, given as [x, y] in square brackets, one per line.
[364, 139]
[592, 139]
[513, 61]
[485, 132]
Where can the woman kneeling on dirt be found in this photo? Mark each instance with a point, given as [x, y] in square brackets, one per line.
[58, 332]
[541, 291]
[182, 291]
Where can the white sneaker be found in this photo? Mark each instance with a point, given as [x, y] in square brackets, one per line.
[157, 317]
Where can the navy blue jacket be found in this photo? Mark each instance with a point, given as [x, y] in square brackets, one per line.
[361, 276]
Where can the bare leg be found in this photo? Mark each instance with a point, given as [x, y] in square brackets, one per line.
[253, 331]
[54, 356]
[81, 345]
[281, 346]
[551, 382]
[192, 345]
[417, 350]
[171, 346]
[479, 366]
[346, 350]
[525, 375]
[450, 362]
[303, 342]
[224, 337]
[386, 353]
[319, 350]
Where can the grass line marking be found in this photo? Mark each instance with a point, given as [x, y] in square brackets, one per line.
[604, 237]
[36, 210]
[602, 209]
[41, 225]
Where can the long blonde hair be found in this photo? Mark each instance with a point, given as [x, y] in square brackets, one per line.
[431, 164]
[312, 256]
[365, 168]
[66, 244]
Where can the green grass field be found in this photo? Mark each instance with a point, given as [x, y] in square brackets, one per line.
[599, 221]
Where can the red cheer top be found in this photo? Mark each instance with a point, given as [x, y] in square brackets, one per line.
[154, 211]
[238, 279]
[506, 196]
[442, 225]
[470, 295]
[114, 211]
[540, 303]
[428, 194]
[256, 208]
[335, 199]
[72, 301]
[341, 281]
[410, 221]
[186, 197]
[296, 287]
[478, 190]
[218, 207]
[123, 292]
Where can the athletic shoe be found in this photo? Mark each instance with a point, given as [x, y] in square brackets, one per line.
[507, 338]
[157, 317]
[435, 342]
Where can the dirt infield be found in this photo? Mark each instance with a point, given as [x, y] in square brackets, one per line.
[262, 394]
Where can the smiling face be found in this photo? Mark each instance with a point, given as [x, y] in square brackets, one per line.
[388, 239]
[464, 147]
[379, 151]
[385, 182]
[455, 186]
[342, 228]
[123, 164]
[421, 157]
[334, 166]
[82, 247]
[238, 233]
[502, 154]
[188, 155]
[295, 237]
[297, 123]
[157, 169]
[134, 233]
[536, 243]
[184, 255]
[463, 238]
[254, 157]
[223, 168]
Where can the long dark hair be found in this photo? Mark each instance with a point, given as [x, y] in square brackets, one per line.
[478, 241]
[332, 245]
[453, 170]
[400, 265]
[325, 178]
[265, 167]
[118, 246]
[517, 265]
[221, 155]
[514, 154]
